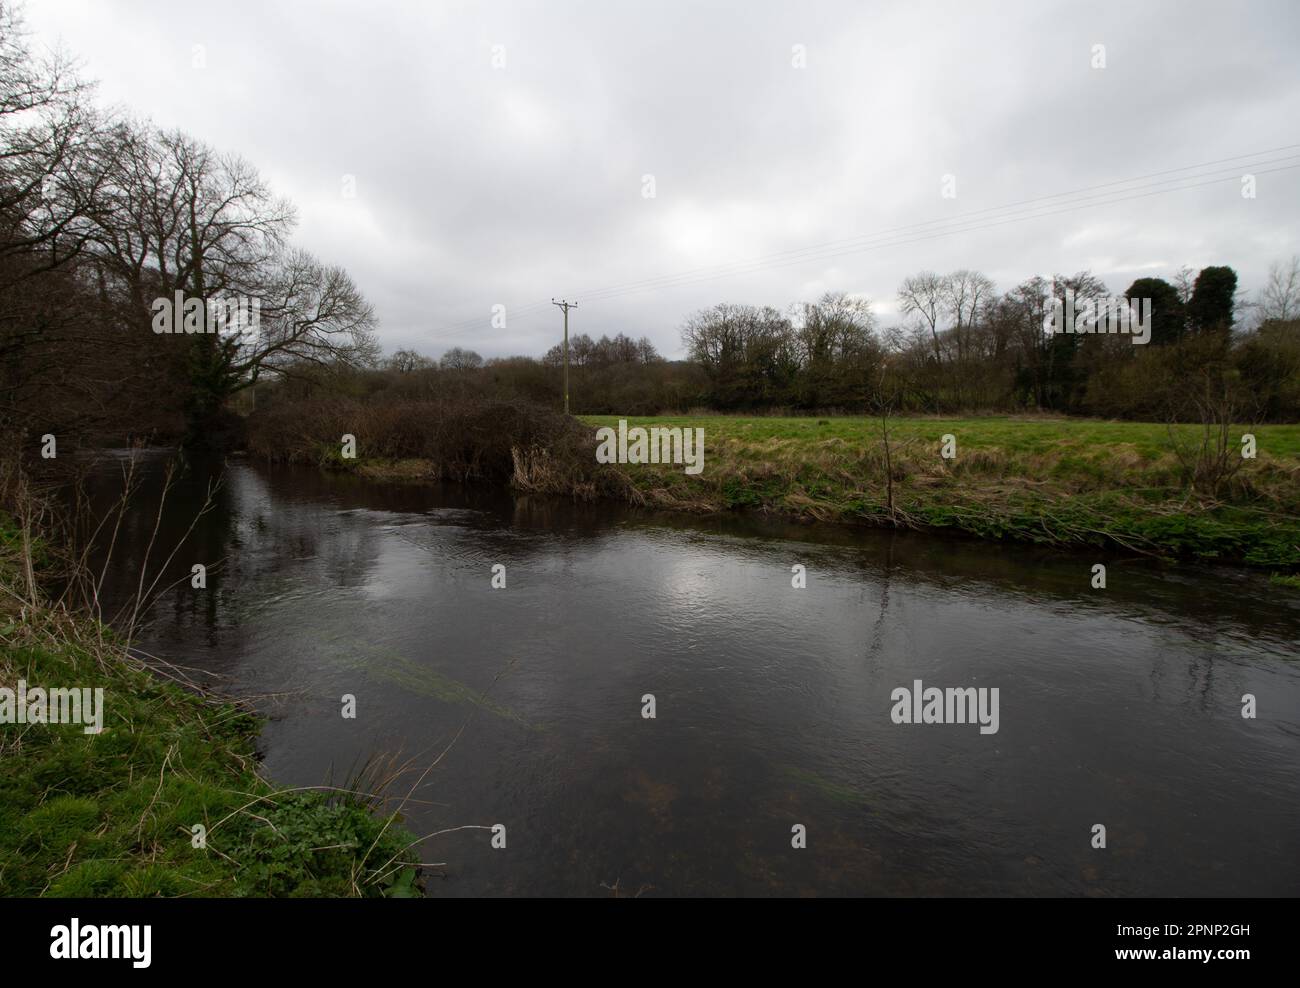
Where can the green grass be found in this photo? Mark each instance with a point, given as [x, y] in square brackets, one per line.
[1038, 479]
[1026, 434]
[113, 814]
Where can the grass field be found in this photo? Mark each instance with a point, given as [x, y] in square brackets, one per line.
[1023, 434]
[1040, 479]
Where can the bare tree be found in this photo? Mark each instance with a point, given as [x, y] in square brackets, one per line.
[924, 295]
[459, 359]
[1280, 297]
[48, 186]
[180, 217]
[965, 295]
[835, 327]
[1210, 457]
[746, 352]
[47, 182]
[406, 361]
[313, 313]
[646, 352]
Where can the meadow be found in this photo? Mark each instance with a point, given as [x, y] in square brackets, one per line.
[1146, 487]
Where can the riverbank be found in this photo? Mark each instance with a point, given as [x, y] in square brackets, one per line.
[165, 800]
[1053, 481]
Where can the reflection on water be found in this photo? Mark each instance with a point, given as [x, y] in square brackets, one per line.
[1119, 707]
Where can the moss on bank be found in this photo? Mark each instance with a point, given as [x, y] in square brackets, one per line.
[114, 813]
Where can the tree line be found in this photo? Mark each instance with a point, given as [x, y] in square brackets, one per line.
[958, 345]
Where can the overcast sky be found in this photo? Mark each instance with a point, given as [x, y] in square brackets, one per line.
[480, 184]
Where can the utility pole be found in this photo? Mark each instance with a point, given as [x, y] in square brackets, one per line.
[566, 306]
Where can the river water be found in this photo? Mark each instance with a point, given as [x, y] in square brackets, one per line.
[1119, 707]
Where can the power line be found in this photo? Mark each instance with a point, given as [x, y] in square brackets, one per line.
[863, 248]
[758, 265]
[963, 217]
[947, 227]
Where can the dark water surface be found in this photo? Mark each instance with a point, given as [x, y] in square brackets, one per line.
[1119, 707]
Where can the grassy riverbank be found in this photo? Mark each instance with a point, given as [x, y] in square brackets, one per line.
[114, 813]
[1047, 480]
[1142, 487]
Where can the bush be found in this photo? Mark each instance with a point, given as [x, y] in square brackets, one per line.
[507, 441]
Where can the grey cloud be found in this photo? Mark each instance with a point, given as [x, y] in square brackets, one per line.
[479, 186]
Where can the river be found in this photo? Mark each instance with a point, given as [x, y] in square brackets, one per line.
[1119, 707]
